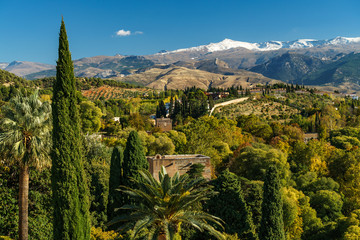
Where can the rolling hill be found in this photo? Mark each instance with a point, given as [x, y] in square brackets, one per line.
[175, 77]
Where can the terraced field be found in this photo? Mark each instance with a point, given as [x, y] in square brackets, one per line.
[108, 92]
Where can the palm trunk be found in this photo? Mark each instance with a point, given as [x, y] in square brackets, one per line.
[23, 202]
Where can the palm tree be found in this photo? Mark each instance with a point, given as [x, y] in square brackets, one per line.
[162, 205]
[24, 141]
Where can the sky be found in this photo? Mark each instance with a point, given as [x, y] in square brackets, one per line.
[29, 29]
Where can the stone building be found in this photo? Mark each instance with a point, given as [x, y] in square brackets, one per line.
[309, 136]
[178, 163]
[165, 124]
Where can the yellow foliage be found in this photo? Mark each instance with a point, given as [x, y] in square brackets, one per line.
[231, 237]
[318, 165]
[353, 233]
[99, 234]
[112, 141]
[293, 223]
[45, 97]
[5, 238]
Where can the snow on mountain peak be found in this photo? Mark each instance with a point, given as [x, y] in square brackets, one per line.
[227, 44]
[344, 40]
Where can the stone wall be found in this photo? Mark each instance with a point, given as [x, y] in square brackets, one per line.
[178, 163]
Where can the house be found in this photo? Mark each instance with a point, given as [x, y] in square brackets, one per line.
[165, 124]
[178, 163]
[309, 136]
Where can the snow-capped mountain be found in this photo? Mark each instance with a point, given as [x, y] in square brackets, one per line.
[3, 65]
[267, 46]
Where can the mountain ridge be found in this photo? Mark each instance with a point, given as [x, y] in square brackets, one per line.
[227, 44]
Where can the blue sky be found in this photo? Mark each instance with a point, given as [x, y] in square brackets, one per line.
[29, 29]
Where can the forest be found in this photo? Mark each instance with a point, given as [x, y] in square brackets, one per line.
[269, 181]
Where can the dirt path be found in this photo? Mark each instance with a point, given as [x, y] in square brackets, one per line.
[227, 103]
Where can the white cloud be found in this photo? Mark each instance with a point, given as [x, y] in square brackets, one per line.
[123, 33]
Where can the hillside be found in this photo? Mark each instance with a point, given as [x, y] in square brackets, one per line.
[212, 65]
[289, 67]
[111, 92]
[264, 108]
[174, 77]
[8, 78]
[344, 70]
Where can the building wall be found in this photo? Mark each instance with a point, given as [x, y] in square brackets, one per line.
[178, 163]
[309, 136]
[165, 124]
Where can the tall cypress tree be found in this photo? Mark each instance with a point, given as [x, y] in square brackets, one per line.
[115, 180]
[272, 225]
[134, 159]
[162, 109]
[171, 106]
[230, 206]
[70, 193]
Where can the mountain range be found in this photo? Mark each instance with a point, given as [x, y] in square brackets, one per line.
[227, 44]
[313, 62]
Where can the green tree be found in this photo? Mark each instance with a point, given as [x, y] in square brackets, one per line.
[90, 116]
[115, 180]
[196, 170]
[97, 168]
[134, 160]
[161, 206]
[24, 138]
[252, 162]
[162, 109]
[272, 225]
[162, 145]
[328, 205]
[178, 139]
[70, 193]
[236, 214]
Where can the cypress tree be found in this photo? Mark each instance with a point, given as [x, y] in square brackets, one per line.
[134, 159]
[115, 180]
[171, 106]
[158, 115]
[196, 170]
[162, 109]
[272, 225]
[70, 193]
[230, 206]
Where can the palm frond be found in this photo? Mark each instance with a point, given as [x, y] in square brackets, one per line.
[162, 205]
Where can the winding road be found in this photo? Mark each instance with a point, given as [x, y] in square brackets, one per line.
[228, 103]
